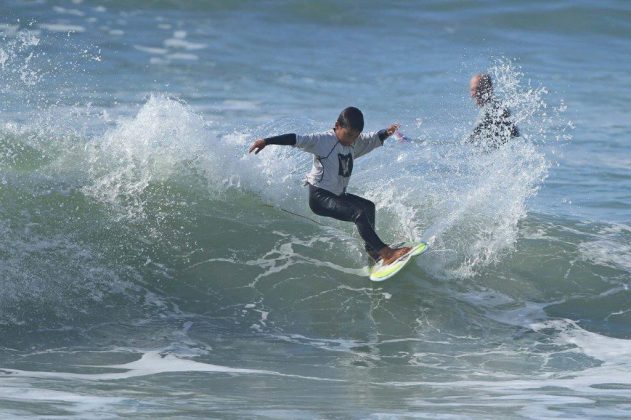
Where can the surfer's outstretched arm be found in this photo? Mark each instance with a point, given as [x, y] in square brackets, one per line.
[283, 139]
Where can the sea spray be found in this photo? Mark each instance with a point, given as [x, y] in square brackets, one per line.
[469, 201]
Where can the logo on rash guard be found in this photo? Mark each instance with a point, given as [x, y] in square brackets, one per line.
[346, 165]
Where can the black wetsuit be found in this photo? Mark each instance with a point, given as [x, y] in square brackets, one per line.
[348, 208]
[495, 126]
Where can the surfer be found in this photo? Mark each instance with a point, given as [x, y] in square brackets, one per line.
[334, 152]
[494, 126]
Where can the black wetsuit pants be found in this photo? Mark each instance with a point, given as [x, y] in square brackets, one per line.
[348, 208]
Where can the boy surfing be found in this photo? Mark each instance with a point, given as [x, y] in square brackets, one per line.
[334, 152]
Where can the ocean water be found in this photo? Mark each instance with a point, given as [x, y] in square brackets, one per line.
[150, 267]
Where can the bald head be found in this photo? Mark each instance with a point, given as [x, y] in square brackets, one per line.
[481, 88]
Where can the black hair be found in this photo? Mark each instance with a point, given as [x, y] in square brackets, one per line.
[486, 83]
[351, 118]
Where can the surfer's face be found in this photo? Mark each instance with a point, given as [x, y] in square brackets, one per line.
[346, 136]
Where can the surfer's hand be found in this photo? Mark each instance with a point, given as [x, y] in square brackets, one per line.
[257, 146]
[391, 130]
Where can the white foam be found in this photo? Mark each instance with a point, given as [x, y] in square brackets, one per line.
[151, 363]
[327, 344]
[147, 148]
[539, 395]
[72, 12]
[151, 50]
[283, 257]
[24, 393]
[607, 253]
[614, 352]
[611, 249]
[182, 56]
[183, 44]
[158, 61]
[4, 57]
[8, 30]
[239, 105]
[61, 27]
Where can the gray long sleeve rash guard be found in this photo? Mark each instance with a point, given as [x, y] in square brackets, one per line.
[332, 161]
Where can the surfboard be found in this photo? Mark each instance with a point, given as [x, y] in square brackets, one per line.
[381, 272]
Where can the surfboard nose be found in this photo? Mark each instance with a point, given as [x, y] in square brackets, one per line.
[381, 272]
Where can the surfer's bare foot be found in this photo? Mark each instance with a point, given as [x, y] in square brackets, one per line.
[389, 255]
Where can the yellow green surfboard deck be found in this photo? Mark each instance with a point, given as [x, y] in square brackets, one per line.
[381, 272]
